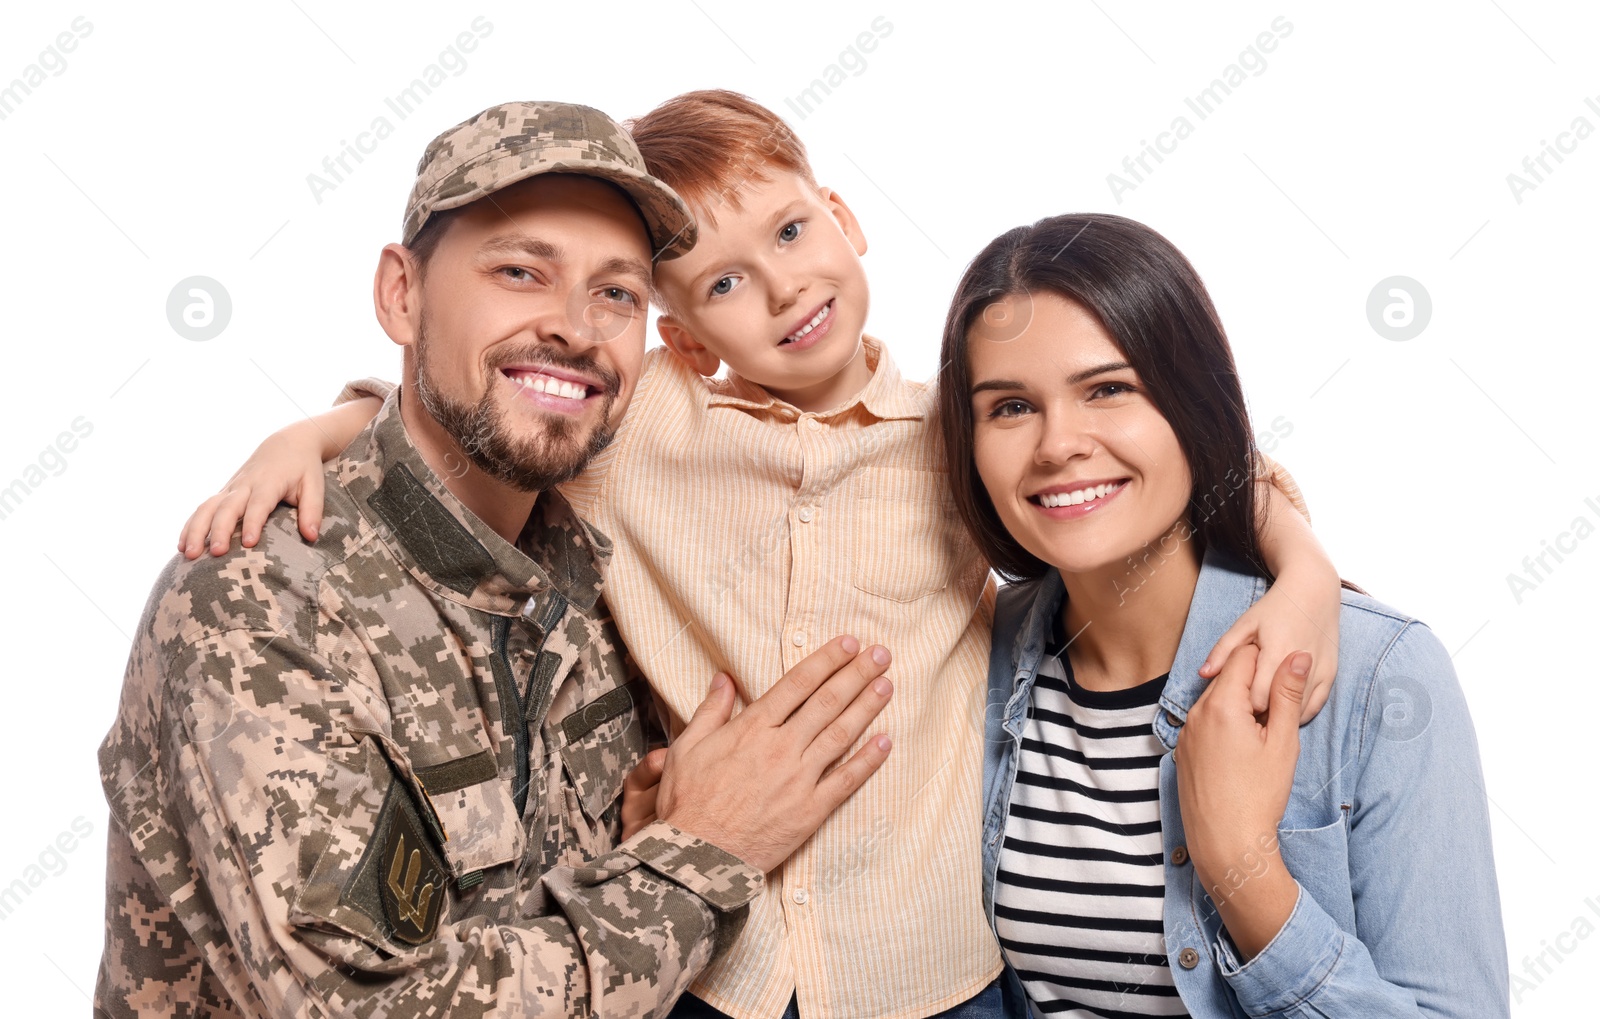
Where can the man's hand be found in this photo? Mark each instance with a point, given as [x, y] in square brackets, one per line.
[639, 791]
[760, 785]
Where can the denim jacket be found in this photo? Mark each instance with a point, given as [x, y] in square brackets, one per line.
[1387, 828]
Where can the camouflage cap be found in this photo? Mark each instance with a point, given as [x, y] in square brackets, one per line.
[515, 141]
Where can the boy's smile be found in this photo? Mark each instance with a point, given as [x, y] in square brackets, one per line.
[775, 288]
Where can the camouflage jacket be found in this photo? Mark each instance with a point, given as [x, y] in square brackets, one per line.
[380, 775]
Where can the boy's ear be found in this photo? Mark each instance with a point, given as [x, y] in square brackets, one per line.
[845, 218]
[686, 347]
[397, 294]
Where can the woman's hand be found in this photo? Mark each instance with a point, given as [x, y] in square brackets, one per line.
[639, 791]
[1300, 610]
[1235, 773]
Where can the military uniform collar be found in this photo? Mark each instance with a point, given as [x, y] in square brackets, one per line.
[885, 396]
[448, 549]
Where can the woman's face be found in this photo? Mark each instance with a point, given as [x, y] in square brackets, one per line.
[1082, 468]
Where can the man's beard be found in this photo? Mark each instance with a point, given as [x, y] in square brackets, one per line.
[528, 463]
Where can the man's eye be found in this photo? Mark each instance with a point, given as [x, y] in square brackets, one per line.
[723, 286]
[517, 272]
[619, 295]
[789, 232]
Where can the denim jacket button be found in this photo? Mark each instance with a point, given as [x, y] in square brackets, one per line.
[1188, 958]
[1173, 719]
[1180, 856]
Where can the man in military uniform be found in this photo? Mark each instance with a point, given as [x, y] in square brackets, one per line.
[379, 774]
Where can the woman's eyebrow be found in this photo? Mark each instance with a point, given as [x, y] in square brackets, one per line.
[1089, 373]
[1007, 385]
[992, 385]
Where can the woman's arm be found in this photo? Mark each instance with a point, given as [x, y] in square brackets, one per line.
[1428, 940]
[286, 467]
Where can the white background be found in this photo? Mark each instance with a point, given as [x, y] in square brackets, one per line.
[1376, 142]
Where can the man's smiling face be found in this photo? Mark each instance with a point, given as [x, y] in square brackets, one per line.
[529, 334]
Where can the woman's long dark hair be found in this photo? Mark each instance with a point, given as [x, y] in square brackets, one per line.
[1151, 301]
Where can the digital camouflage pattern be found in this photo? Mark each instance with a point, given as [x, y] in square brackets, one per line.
[380, 775]
[514, 141]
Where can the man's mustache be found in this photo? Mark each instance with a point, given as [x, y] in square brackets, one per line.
[533, 357]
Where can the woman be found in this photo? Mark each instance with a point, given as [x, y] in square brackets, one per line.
[1151, 845]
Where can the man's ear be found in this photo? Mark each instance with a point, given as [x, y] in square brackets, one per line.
[397, 294]
[845, 218]
[689, 350]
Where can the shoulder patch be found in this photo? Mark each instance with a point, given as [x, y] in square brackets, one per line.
[411, 877]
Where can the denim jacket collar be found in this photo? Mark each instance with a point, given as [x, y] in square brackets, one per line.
[1222, 594]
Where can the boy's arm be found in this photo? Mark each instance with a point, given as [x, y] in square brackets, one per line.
[1300, 612]
[286, 467]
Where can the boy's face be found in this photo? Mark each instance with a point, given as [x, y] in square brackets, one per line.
[775, 288]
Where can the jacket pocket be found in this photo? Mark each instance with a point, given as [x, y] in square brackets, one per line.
[600, 743]
[475, 808]
[1319, 858]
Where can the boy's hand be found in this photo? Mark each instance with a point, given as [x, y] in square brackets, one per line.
[287, 467]
[639, 792]
[1294, 614]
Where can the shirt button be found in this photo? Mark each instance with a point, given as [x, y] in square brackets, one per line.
[1188, 958]
[800, 638]
[805, 514]
[1173, 719]
[813, 424]
[800, 897]
[1180, 856]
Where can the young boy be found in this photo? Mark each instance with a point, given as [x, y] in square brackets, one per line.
[755, 516]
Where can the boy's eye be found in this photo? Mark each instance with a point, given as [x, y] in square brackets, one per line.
[789, 232]
[723, 286]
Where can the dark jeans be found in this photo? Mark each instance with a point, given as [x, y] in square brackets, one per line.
[984, 1005]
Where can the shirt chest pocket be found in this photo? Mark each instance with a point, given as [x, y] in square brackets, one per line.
[903, 533]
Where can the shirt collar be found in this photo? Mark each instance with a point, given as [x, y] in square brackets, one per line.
[886, 395]
[448, 549]
[1223, 592]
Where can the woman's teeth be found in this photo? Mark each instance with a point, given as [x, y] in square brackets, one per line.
[827, 309]
[551, 385]
[1077, 497]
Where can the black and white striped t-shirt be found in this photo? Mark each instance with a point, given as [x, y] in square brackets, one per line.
[1078, 895]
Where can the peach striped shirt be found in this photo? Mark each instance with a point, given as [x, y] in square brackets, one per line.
[747, 533]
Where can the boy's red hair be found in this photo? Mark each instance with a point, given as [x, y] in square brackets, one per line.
[706, 145]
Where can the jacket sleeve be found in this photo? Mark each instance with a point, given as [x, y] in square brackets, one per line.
[1429, 939]
[300, 853]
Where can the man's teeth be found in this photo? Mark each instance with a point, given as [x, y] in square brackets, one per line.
[1075, 498]
[553, 386]
[817, 320]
